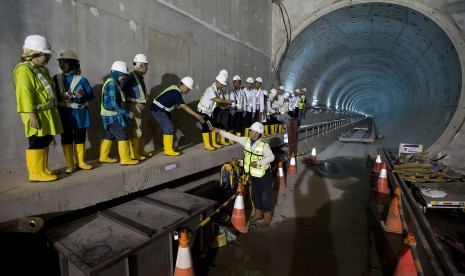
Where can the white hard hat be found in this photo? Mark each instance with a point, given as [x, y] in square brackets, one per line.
[224, 72]
[37, 43]
[120, 66]
[281, 88]
[297, 90]
[249, 80]
[188, 81]
[259, 79]
[273, 91]
[222, 79]
[257, 127]
[236, 78]
[304, 89]
[286, 96]
[291, 92]
[265, 92]
[141, 58]
[67, 54]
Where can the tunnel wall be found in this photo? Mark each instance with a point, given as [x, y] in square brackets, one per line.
[449, 15]
[180, 38]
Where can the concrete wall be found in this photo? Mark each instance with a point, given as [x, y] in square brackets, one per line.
[180, 37]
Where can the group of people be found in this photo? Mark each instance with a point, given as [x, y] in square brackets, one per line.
[59, 105]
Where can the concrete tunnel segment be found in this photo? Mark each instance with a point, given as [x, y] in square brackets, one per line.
[401, 63]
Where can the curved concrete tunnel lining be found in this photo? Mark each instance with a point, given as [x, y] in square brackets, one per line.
[421, 79]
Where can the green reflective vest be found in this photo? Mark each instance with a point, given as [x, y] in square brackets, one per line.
[301, 102]
[255, 155]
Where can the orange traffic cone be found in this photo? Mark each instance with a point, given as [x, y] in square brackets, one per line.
[292, 170]
[382, 184]
[378, 164]
[238, 214]
[184, 259]
[313, 159]
[280, 179]
[393, 222]
[406, 264]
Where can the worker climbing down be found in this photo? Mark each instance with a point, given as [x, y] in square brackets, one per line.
[116, 118]
[73, 91]
[257, 159]
[165, 103]
[136, 98]
[36, 103]
[205, 108]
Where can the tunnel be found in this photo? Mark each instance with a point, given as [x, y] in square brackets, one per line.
[386, 61]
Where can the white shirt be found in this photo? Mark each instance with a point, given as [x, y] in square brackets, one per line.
[237, 95]
[249, 100]
[206, 105]
[259, 100]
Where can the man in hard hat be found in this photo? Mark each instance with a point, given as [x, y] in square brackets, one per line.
[36, 103]
[257, 115]
[74, 92]
[221, 111]
[237, 107]
[136, 98]
[301, 105]
[257, 159]
[249, 105]
[165, 103]
[271, 109]
[205, 108]
[281, 100]
[115, 115]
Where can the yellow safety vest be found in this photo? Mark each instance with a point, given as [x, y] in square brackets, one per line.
[169, 88]
[106, 112]
[301, 103]
[142, 98]
[47, 87]
[255, 155]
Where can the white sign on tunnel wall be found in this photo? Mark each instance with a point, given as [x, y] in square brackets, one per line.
[410, 148]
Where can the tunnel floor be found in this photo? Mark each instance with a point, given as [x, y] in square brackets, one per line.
[322, 223]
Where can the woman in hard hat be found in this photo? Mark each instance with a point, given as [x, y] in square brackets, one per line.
[249, 105]
[73, 91]
[205, 108]
[257, 159]
[36, 103]
[136, 97]
[165, 103]
[116, 117]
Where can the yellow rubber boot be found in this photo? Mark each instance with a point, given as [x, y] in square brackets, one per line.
[35, 159]
[246, 132]
[238, 134]
[80, 154]
[135, 149]
[272, 129]
[105, 148]
[206, 141]
[223, 141]
[168, 145]
[214, 144]
[46, 169]
[123, 149]
[281, 129]
[69, 157]
[266, 133]
[231, 142]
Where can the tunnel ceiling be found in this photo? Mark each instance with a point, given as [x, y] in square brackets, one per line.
[382, 60]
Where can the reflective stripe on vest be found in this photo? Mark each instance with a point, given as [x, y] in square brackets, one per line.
[142, 98]
[106, 112]
[47, 87]
[169, 88]
[255, 155]
[72, 87]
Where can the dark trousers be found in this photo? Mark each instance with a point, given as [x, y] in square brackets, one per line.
[77, 136]
[261, 191]
[247, 122]
[116, 131]
[39, 142]
[237, 120]
[207, 118]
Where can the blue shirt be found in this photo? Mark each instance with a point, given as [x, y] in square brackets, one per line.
[75, 118]
[170, 98]
[130, 87]
[112, 101]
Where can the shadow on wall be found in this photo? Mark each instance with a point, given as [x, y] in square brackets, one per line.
[187, 130]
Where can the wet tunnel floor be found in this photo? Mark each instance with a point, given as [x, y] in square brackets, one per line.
[324, 223]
